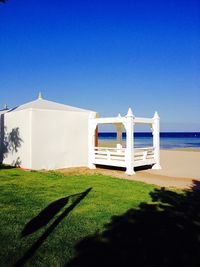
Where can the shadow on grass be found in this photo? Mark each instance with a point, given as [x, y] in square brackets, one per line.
[165, 233]
[5, 167]
[45, 216]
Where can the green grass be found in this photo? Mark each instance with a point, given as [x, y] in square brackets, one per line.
[49, 219]
[25, 194]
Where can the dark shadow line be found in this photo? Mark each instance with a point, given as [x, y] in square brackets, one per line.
[122, 169]
[5, 167]
[44, 216]
[31, 251]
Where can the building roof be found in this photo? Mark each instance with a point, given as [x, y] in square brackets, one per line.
[3, 111]
[47, 105]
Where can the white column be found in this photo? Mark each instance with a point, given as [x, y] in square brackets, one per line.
[119, 128]
[156, 140]
[129, 125]
[91, 140]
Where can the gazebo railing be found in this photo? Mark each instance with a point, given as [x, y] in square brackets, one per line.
[144, 156]
[118, 156]
[110, 156]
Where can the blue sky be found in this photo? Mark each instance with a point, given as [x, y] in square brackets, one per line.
[105, 55]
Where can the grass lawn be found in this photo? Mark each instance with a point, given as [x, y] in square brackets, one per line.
[48, 219]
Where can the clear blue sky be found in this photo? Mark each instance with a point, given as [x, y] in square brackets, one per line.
[105, 55]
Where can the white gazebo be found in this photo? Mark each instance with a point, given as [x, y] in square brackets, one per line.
[127, 157]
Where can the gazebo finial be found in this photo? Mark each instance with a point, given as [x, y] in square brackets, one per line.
[156, 116]
[130, 113]
[40, 96]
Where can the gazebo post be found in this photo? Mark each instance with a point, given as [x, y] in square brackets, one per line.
[129, 125]
[91, 141]
[119, 128]
[156, 140]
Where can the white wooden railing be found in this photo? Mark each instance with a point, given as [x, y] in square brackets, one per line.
[144, 156]
[109, 156]
[117, 156]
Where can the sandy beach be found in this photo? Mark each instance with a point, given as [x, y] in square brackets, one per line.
[179, 170]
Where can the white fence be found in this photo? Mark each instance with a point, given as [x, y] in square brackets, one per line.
[144, 156]
[117, 156]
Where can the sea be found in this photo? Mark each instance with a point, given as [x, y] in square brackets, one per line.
[168, 140]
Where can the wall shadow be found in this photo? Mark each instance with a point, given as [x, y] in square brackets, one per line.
[10, 142]
[2, 145]
[164, 233]
[49, 213]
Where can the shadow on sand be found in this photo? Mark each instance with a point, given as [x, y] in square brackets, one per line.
[122, 169]
[164, 233]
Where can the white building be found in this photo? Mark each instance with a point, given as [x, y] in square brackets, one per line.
[45, 135]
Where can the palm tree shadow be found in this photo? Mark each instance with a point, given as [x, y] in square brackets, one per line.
[10, 143]
[49, 212]
[161, 234]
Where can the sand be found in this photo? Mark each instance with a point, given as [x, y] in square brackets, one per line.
[179, 170]
[179, 164]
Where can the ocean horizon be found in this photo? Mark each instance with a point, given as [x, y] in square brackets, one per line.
[168, 140]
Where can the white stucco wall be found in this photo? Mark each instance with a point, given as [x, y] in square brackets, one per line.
[47, 139]
[18, 136]
[59, 139]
